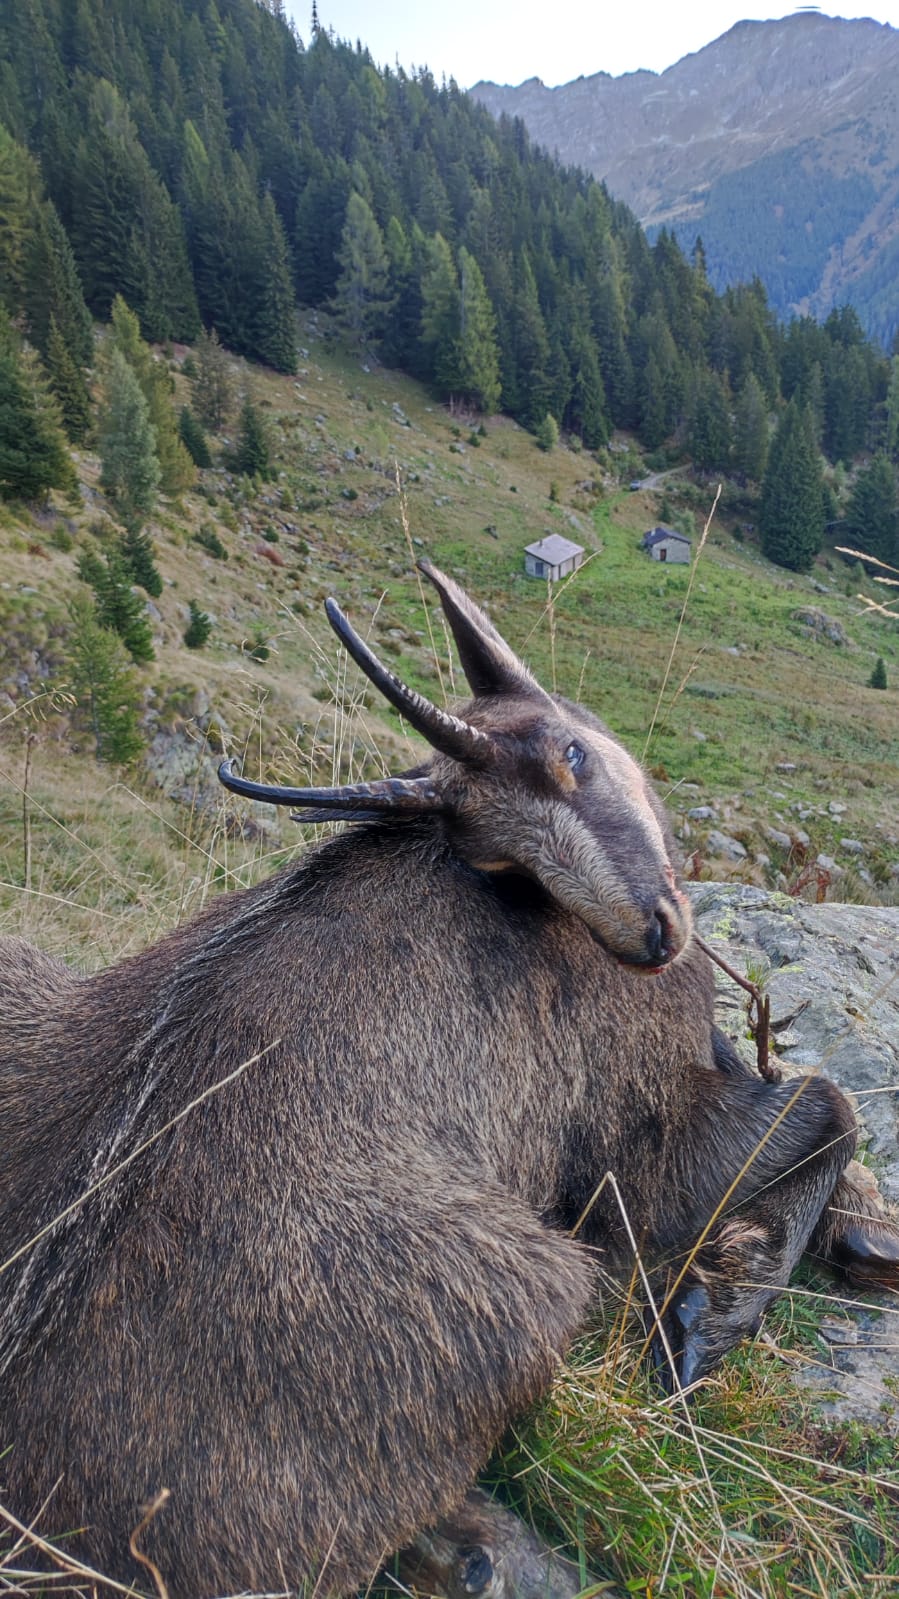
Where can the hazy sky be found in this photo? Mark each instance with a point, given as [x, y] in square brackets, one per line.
[510, 40]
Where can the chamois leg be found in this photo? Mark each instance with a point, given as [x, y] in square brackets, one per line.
[782, 1148]
[854, 1234]
[485, 1552]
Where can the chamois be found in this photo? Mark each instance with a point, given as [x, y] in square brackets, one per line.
[310, 1306]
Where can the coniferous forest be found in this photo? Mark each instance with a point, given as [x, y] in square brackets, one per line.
[197, 159]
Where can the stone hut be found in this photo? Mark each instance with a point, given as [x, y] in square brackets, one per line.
[665, 544]
[552, 557]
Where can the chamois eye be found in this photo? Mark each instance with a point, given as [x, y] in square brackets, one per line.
[575, 757]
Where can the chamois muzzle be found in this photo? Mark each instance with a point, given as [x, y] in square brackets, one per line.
[667, 933]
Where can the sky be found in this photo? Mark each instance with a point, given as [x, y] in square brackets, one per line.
[506, 41]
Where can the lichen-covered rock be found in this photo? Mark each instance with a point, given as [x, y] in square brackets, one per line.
[832, 972]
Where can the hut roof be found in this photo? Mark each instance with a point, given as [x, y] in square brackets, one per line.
[554, 549]
[657, 534]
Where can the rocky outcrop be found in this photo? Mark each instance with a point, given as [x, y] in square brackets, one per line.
[832, 972]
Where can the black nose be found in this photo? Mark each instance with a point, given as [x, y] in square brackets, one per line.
[658, 940]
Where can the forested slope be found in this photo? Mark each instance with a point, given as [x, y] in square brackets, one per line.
[202, 161]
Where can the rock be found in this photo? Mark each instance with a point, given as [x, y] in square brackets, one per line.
[852, 846]
[785, 766]
[702, 813]
[819, 625]
[722, 844]
[782, 840]
[835, 976]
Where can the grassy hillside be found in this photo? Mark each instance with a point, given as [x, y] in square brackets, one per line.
[762, 719]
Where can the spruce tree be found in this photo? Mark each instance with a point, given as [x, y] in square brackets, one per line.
[400, 345]
[34, 456]
[530, 379]
[362, 298]
[106, 690]
[709, 438]
[791, 512]
[118, 607]
[440, 315]
[750, 452]
[139, 553]
[274, 336]
[198, 628]
[19, 184]
[129, 471]
[872, 518]
[127, 236]
[67, 381]
[251, 454]
[587, 415]
[878, 678]
[213, 384]
[477, 355]
[193, 438]
[54, 289]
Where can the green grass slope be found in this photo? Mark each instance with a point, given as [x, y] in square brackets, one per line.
[755, 715]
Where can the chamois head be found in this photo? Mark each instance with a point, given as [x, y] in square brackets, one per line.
[527, 782]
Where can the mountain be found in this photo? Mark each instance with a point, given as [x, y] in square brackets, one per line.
[778, 144]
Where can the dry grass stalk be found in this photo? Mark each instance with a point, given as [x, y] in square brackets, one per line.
[677, 632]
[152, 1509]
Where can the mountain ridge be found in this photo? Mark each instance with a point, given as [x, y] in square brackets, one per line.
[812, 97]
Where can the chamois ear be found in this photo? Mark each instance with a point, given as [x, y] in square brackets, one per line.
[487, 661]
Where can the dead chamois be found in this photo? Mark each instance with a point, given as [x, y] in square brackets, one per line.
[311, 1307]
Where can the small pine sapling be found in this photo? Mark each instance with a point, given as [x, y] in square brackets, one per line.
[198, 628]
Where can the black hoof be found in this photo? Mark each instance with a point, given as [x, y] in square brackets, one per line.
[867, 1253]
[474, 1571]
[687, 1356]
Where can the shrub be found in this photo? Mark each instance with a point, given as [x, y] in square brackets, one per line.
[547, 434]
[208, 539]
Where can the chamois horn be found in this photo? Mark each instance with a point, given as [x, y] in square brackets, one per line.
[447, 733]
[350, 802]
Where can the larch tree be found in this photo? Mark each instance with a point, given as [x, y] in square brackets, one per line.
[176, 469]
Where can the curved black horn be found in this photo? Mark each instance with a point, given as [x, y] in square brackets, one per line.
[487, 661]
[445, 732]
[360, 802]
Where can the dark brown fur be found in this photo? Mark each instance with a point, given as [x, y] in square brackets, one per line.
[311, 1308]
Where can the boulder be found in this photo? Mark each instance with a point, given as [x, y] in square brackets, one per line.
[833, 981]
